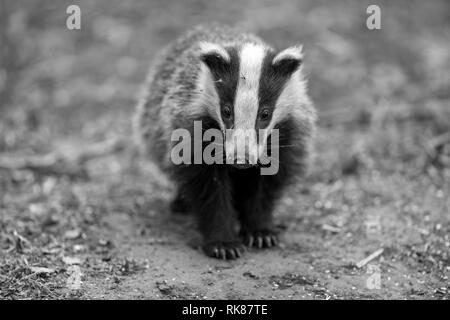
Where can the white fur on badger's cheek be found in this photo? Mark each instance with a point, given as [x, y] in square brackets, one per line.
[208, 97]
[212, 48]
[246, 103]
[289, 53]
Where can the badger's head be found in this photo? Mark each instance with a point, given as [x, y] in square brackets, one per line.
[251, 88]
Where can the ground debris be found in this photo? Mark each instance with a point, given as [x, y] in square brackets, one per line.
[371, 257]
[163, 287]
[18, 280]
[130, 266]
[250, 274]
[290, 279]
[42, 270]
[330, 228]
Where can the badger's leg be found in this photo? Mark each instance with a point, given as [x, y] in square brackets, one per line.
[255, 198]
[180, 204]
[208, 191]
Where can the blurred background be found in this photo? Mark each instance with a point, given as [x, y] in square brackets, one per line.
[382, 95]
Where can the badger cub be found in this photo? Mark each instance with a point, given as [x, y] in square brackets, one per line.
[240, 86]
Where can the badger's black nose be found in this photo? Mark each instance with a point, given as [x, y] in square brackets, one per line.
[243, 162]
[242, 166]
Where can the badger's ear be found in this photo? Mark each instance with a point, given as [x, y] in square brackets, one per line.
[213, 55]
[288, 60]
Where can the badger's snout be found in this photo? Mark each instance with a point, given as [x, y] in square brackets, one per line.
[242, 162]
[241, 149]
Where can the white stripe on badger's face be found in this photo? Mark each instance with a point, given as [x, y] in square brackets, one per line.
[246, 104]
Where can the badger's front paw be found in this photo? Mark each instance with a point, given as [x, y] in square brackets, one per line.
[264, 238]
[226, 250]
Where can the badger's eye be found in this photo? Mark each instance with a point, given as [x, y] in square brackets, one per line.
[265, 114]
[226, 112]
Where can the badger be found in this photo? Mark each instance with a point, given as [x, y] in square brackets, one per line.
[228, 80]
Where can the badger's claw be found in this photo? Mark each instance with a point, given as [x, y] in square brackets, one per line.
[260, 239]
[224, 250]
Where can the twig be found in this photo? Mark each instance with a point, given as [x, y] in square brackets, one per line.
[97, 150]
[327, 227]
[366, 260]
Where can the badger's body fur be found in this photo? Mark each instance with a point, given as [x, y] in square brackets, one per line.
[228, 80]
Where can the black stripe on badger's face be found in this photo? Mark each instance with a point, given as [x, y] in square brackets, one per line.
[224, 69]
[274, 77]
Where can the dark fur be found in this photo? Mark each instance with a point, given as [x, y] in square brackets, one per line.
[226, 76]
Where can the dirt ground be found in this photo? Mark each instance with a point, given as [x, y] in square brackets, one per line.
[379, 180]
